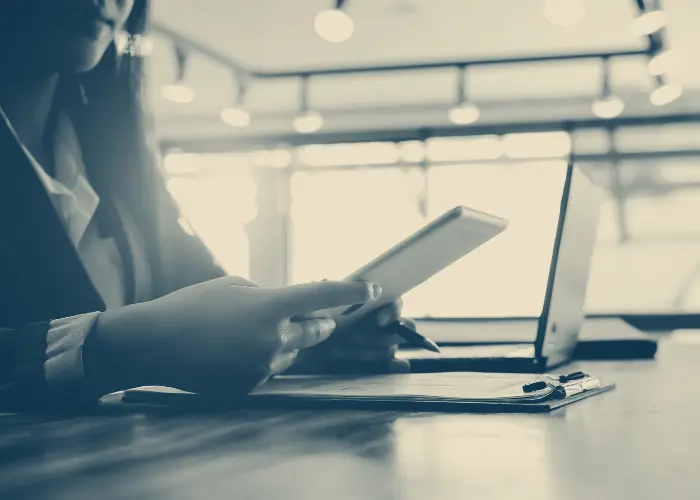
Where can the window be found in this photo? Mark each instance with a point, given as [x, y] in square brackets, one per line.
[217, 197]
[342, 219]
[350, 202]
[647, 256]
[511, 270]
[651, 261]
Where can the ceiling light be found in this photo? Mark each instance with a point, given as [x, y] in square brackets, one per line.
[661, 63]
[464, 114]
[665, 94]
[650, 22]
[308, 122]
[608, 107]
[334, 25]
[564, 12]
[235, 116]
[179, 92]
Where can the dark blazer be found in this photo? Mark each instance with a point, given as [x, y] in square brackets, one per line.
[41, 274]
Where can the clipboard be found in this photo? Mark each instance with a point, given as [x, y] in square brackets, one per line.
[420, 392]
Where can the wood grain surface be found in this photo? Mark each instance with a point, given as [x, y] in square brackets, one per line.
[640, 441]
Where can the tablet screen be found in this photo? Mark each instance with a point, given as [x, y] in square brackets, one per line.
[507, 277]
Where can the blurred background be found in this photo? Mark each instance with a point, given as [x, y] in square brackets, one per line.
[302, 138]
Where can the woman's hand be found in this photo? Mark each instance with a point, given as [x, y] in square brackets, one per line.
[222, 336]
[366, 347]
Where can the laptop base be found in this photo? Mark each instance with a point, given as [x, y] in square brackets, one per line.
[511, 358]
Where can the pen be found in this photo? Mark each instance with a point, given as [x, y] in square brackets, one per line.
[413, 337]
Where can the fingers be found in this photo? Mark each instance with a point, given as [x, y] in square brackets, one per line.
[389, 313]
[361, 354]
[308, 297]
[311, 315]
[399, 366]
[303, 334]
[410, 323]
[282, 362]
[369, 338]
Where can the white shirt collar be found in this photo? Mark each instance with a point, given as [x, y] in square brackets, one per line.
[72, 196]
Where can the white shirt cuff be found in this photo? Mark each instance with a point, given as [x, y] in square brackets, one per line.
[63, 367]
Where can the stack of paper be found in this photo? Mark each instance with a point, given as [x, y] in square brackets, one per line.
[454, 391]
[456, 386]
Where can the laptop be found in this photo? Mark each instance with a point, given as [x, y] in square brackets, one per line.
[558, 325]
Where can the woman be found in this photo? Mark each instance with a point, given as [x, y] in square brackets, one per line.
[100, 289]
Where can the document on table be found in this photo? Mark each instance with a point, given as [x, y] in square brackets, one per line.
[456, 386]
[453, 391]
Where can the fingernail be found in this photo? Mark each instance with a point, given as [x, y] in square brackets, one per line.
[376, 291]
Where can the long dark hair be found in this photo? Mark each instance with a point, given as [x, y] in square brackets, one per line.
[115, 130]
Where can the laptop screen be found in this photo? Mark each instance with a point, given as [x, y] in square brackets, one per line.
[563, 312]
[508, 276]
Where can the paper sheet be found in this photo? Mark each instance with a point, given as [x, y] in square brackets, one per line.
[453, 386]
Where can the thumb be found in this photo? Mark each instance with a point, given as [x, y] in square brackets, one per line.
[309, 297]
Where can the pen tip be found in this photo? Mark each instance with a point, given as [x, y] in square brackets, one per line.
[430, 345]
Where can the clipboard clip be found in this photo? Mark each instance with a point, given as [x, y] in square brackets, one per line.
[575, 383]
[565, 386]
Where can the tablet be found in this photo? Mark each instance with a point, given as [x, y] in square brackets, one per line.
[423, 254]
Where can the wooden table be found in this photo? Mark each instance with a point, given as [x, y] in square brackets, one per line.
[641, 441]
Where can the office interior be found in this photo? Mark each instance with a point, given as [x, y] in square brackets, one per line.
[301, 139]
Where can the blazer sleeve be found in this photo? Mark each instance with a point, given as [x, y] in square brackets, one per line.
[41, 365]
